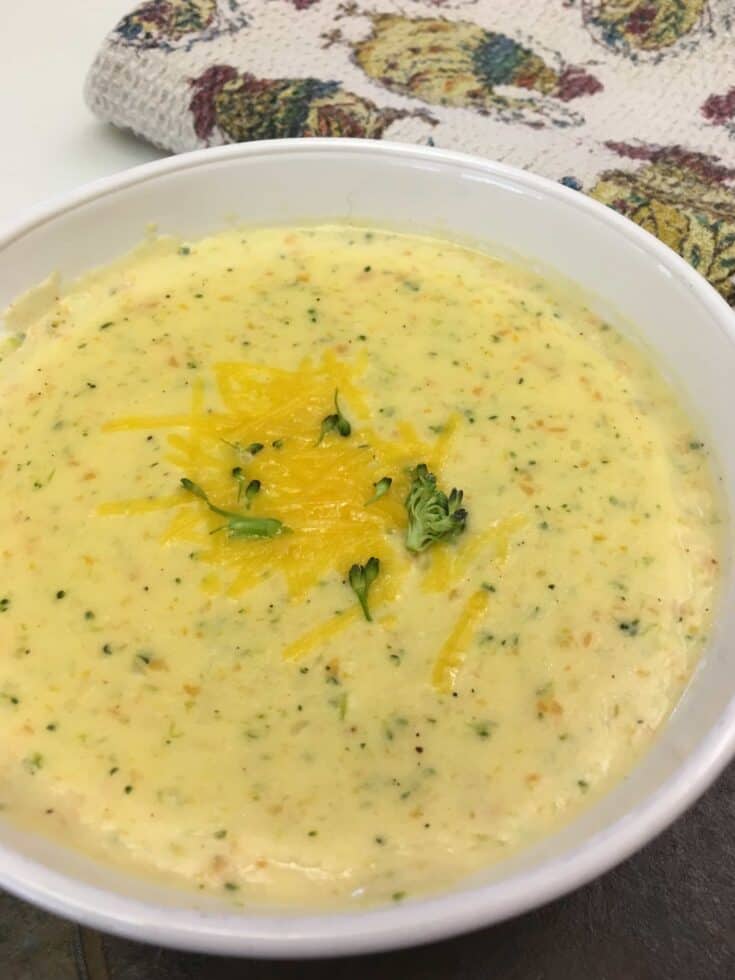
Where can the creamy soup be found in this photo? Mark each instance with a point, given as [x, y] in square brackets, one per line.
[255, 640]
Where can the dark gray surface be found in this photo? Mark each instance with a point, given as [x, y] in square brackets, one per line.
[666, 914]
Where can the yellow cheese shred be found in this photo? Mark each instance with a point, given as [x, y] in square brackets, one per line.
[319, 634]
[126, 508]
[453, 652]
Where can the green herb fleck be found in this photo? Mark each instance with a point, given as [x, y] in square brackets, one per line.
[33, 763]
[432, 516]
[238, 525]
[381, 488]
[40, 484]
[4, 604]
[220, 834]
[629, 626]
[483, 729]
[361, 577]
[398, 896]
[340, 703]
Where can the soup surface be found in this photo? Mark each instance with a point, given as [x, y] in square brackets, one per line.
[189, 683]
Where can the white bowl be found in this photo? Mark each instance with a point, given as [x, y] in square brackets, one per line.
[679, 316]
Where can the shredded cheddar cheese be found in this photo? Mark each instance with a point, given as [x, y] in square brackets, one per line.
[317, 489]
[324, 631]
[454, 650]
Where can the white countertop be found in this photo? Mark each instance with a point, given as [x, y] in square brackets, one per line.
[50, 141]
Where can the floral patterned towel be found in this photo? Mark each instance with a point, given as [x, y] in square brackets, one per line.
[631, 101]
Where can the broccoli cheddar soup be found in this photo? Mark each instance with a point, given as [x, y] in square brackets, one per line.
[337, 564]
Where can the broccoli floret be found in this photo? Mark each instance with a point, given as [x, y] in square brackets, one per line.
[361, 577]
[238, 525]
[432, 515]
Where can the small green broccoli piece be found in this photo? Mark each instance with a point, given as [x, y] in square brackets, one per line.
[336, 422]
[361, 577]
[238, 525]
[432, 515]
[381, 488]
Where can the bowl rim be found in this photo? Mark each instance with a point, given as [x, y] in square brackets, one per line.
[291, 935]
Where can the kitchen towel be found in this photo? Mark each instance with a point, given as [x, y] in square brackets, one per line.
[630, 101]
